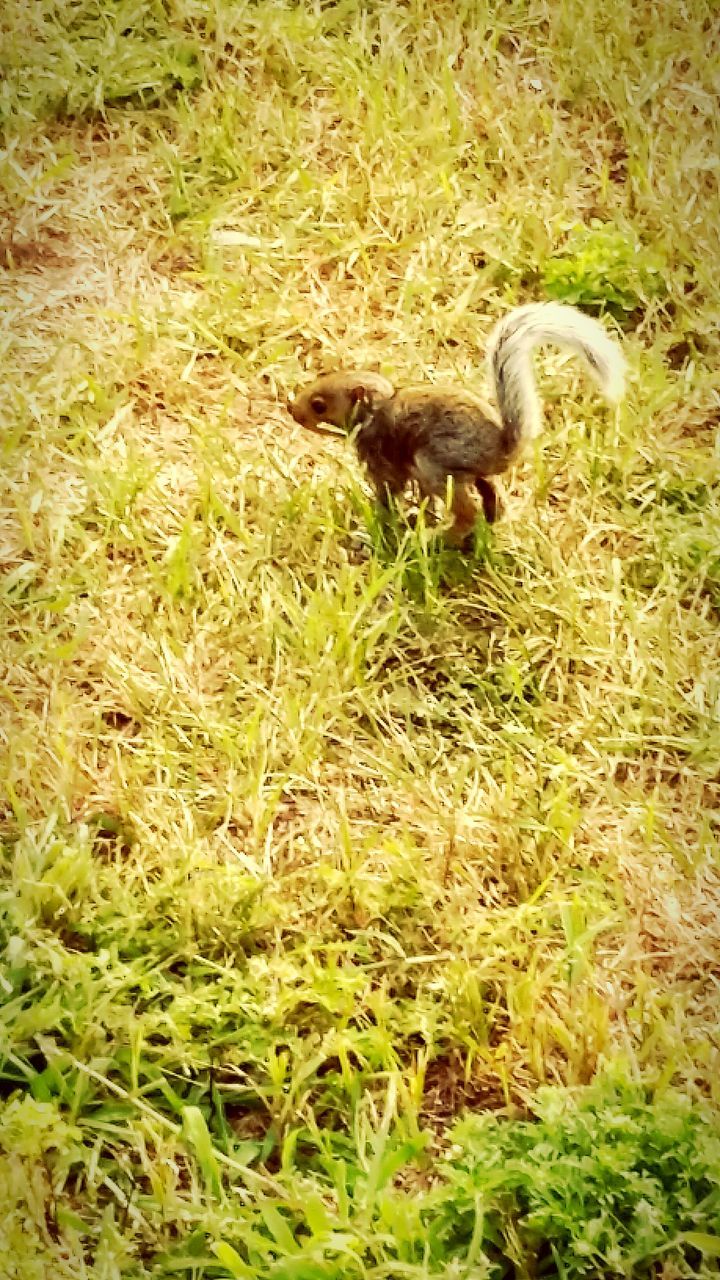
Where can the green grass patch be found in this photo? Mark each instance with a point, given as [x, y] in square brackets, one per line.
[359, 899]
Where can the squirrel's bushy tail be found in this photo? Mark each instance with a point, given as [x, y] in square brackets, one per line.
[510, 349]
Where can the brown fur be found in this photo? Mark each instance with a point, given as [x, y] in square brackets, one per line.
[424, 435]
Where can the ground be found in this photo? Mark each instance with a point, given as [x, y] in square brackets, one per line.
[357, 893]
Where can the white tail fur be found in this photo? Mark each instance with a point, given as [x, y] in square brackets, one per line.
[510, 349]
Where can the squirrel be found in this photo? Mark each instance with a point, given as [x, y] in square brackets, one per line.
[433, 434]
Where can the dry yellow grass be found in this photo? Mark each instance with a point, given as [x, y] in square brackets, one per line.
[328, 838]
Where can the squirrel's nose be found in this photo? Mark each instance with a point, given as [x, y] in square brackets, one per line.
[292, 409]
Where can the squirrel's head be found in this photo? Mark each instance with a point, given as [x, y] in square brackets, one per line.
[341, 399]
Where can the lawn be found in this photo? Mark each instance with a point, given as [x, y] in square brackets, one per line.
[360, 901]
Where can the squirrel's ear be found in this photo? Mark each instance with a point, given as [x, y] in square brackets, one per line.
[358, 394]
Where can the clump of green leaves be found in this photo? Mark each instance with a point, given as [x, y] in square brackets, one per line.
[605, 266]
[601, 1184]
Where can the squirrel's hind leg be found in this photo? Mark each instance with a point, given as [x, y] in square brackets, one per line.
[465, 512]
[491, 500]
[432, 479]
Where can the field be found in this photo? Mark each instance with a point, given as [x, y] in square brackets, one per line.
[360, 898]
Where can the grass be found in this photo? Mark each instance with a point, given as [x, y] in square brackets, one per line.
[359, 899]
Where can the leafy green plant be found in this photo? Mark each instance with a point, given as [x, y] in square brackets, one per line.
[602, 265]
[603, 1183]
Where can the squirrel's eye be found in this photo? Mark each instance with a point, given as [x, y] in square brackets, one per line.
[317, 404]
